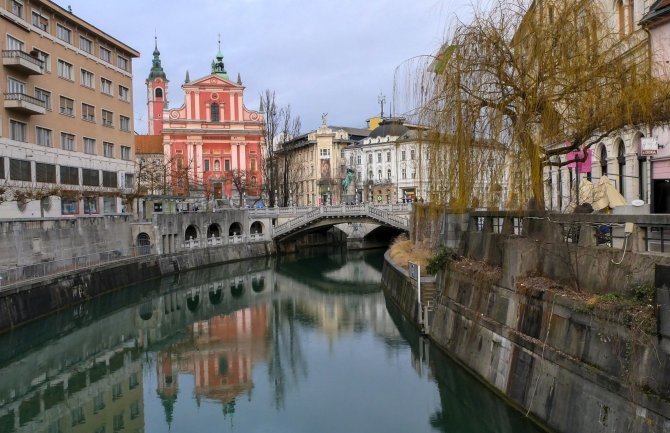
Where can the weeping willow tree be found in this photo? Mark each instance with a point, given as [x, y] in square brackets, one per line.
[522, 83]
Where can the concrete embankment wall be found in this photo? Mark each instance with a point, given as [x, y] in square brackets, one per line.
[45, 296]
[573, 368]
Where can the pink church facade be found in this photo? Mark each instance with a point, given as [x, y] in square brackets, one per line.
[212, 138]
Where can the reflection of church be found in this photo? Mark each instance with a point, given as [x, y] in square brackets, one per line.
[220, 353]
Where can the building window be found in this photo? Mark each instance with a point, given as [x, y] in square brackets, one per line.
[603, 161]
[63, 33]
[90, 205]
[45, 173]
[207, 165]
[369, 158]
[20, 170]
[117, 422]
[66, 141]
[412, 154]
[45, 58]
[89, 146]
[43, 96]
[379, 174]
[77, 416]
[325, 153]
[388, 156]
[65, 70]
[66, 106]
[69, 206]
[124, 123]
[109, 205]
[215, 112]
[108, 149]
[88, 112]
[402, 155]
[351, 159]
[109, 179]
[125, 153]
[17, 8]
[14, 44]
[90, 177]
[404, 173]
[105, 55]
[86, 44]
[117, 391]
[87, 78]
[107, 118]
[388, 174]
[17, 130]
[106, 86]
[44, 137]
[226, 165]
[15, 86]
[413, 174]
[40, 22]
[379, 157]
[122, 63]
[128, 180]
[124, 93]
[2, 167]
[358, 159]
[69, 175]
[98, 400]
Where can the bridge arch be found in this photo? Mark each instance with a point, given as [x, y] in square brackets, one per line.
[214, 231]
[215, 297]
[258, 284]
[237, 288]
[235, 229]
[256, 228]
[192, 302]
[191, 232]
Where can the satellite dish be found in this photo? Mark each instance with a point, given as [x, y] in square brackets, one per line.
[637, 202]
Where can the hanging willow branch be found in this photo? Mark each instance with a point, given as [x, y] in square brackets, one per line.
[521, 84]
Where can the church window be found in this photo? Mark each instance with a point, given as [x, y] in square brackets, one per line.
[159, 92]
[207, 165]
[215, 112]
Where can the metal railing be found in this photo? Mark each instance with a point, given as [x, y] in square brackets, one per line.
[60, 266]
[12, 54]
[222, 240]
[378, 213]
[25, 98]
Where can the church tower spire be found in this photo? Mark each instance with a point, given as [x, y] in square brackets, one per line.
[218, 67]
[156, 92]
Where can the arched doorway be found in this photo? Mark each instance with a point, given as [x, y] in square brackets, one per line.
[143, 243]
[213, 231]
[235, 229]
[256, 228]
[191, 233]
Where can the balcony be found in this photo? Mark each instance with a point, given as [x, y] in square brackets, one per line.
[22, 62]
[23, 103]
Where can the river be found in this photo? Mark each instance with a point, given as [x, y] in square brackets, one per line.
[299, 344]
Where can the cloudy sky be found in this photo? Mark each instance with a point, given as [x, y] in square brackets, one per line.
[317, 55]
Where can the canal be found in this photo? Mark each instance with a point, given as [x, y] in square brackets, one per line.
[306, 344]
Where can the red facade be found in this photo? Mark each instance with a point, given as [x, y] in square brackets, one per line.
[212, 141]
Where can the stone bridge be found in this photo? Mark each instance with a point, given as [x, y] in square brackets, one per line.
[292, 221]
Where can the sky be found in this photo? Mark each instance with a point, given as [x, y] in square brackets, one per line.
[318, 56]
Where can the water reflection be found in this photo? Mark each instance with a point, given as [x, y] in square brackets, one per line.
[306, 344]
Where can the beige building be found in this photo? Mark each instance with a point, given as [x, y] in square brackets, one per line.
[66, 140]
[317, 164]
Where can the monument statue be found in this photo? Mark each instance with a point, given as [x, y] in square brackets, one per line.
[347, 180]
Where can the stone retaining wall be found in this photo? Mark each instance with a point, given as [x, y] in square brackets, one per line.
[572, 368]
[45, 296]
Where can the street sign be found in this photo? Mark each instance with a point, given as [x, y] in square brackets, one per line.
[648, 146]
[413, 271]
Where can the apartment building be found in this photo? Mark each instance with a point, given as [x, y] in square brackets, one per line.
[66, 121]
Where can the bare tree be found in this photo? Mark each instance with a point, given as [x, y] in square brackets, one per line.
[521, 84]
[239, 180]
[287, 166]
[279, 129]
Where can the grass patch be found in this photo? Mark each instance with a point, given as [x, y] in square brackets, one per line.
[403, 251]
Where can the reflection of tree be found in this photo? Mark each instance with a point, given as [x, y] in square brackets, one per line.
[287, 364]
